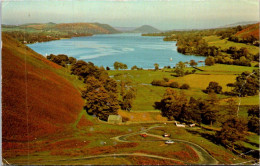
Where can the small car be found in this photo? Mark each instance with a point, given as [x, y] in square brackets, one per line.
[169, 142]
[166, 135]
[143, 135]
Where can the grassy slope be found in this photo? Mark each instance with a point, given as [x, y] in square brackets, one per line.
[35, 95]
[225, 44]
[251, 30]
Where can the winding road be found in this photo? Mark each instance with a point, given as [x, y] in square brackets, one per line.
[204, 156]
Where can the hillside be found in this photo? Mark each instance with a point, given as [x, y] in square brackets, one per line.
[93, 28]
[251, 30]
[146, 29]
[37, 99]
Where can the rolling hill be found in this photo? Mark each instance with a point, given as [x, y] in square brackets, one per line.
[37, 100]
[145, 29]
[93, 28]
[251, 30]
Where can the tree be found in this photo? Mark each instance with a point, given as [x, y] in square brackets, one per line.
[84, 70]
[233, 129]
[119, 65]
[247, 84]
[185, 86]
[100, 101]
[253, 123]
[210, 111]
[156, 66]
[128, 94]
[209, 61]
[179, 69]
[72, 60]
[116, 65]
[134, 67]
[172, 104]
[213, 87]
[174, 85]
[101, 104]
[193, 63]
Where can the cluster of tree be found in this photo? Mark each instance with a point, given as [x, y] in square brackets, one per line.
[119, 65]
[176, 106]
[100, 93]
[213, 87]
[136, 68]
[192, 43]
[179, 68]
[62, 59]
[33, 37]
[247, 84]
[249, 39]
[233, 129]
[233, 56]
[165, 83]
[227, 33]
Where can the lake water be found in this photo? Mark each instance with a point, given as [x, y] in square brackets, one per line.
[104, 50]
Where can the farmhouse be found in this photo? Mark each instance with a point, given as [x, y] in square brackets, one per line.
[114, 119]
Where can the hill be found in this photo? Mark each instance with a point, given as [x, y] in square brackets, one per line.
[38, 98]
[93, 28]
[251, 30]
[239, 23]
[145, 29]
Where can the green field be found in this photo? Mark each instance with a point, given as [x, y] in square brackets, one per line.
[225, 44]
[148, 94]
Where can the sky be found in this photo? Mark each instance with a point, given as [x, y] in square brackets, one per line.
[164, 15]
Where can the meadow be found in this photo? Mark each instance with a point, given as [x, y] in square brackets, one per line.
[147, 94]
[225, 44]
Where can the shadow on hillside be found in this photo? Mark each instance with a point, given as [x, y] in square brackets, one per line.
[208, 136]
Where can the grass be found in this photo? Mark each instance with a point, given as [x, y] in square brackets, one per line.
[225, 44]
[226, 69]
[148, 94]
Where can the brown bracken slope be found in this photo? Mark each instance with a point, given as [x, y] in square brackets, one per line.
[251, 30]
[36, 101]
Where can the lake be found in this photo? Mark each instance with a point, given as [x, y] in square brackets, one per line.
[131, 49]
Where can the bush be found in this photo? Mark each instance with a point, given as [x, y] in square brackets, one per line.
[159, 83]
[214, 87]
[185, 86]
[166, 79]
[174, 85]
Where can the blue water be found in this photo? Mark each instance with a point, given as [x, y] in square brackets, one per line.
[104, 50]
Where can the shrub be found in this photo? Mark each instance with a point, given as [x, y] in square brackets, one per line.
[166, 79]
[214, 87]
[159, 83]
[185, 86]
[174, 85]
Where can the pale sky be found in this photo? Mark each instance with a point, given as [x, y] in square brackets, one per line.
[164, 15]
